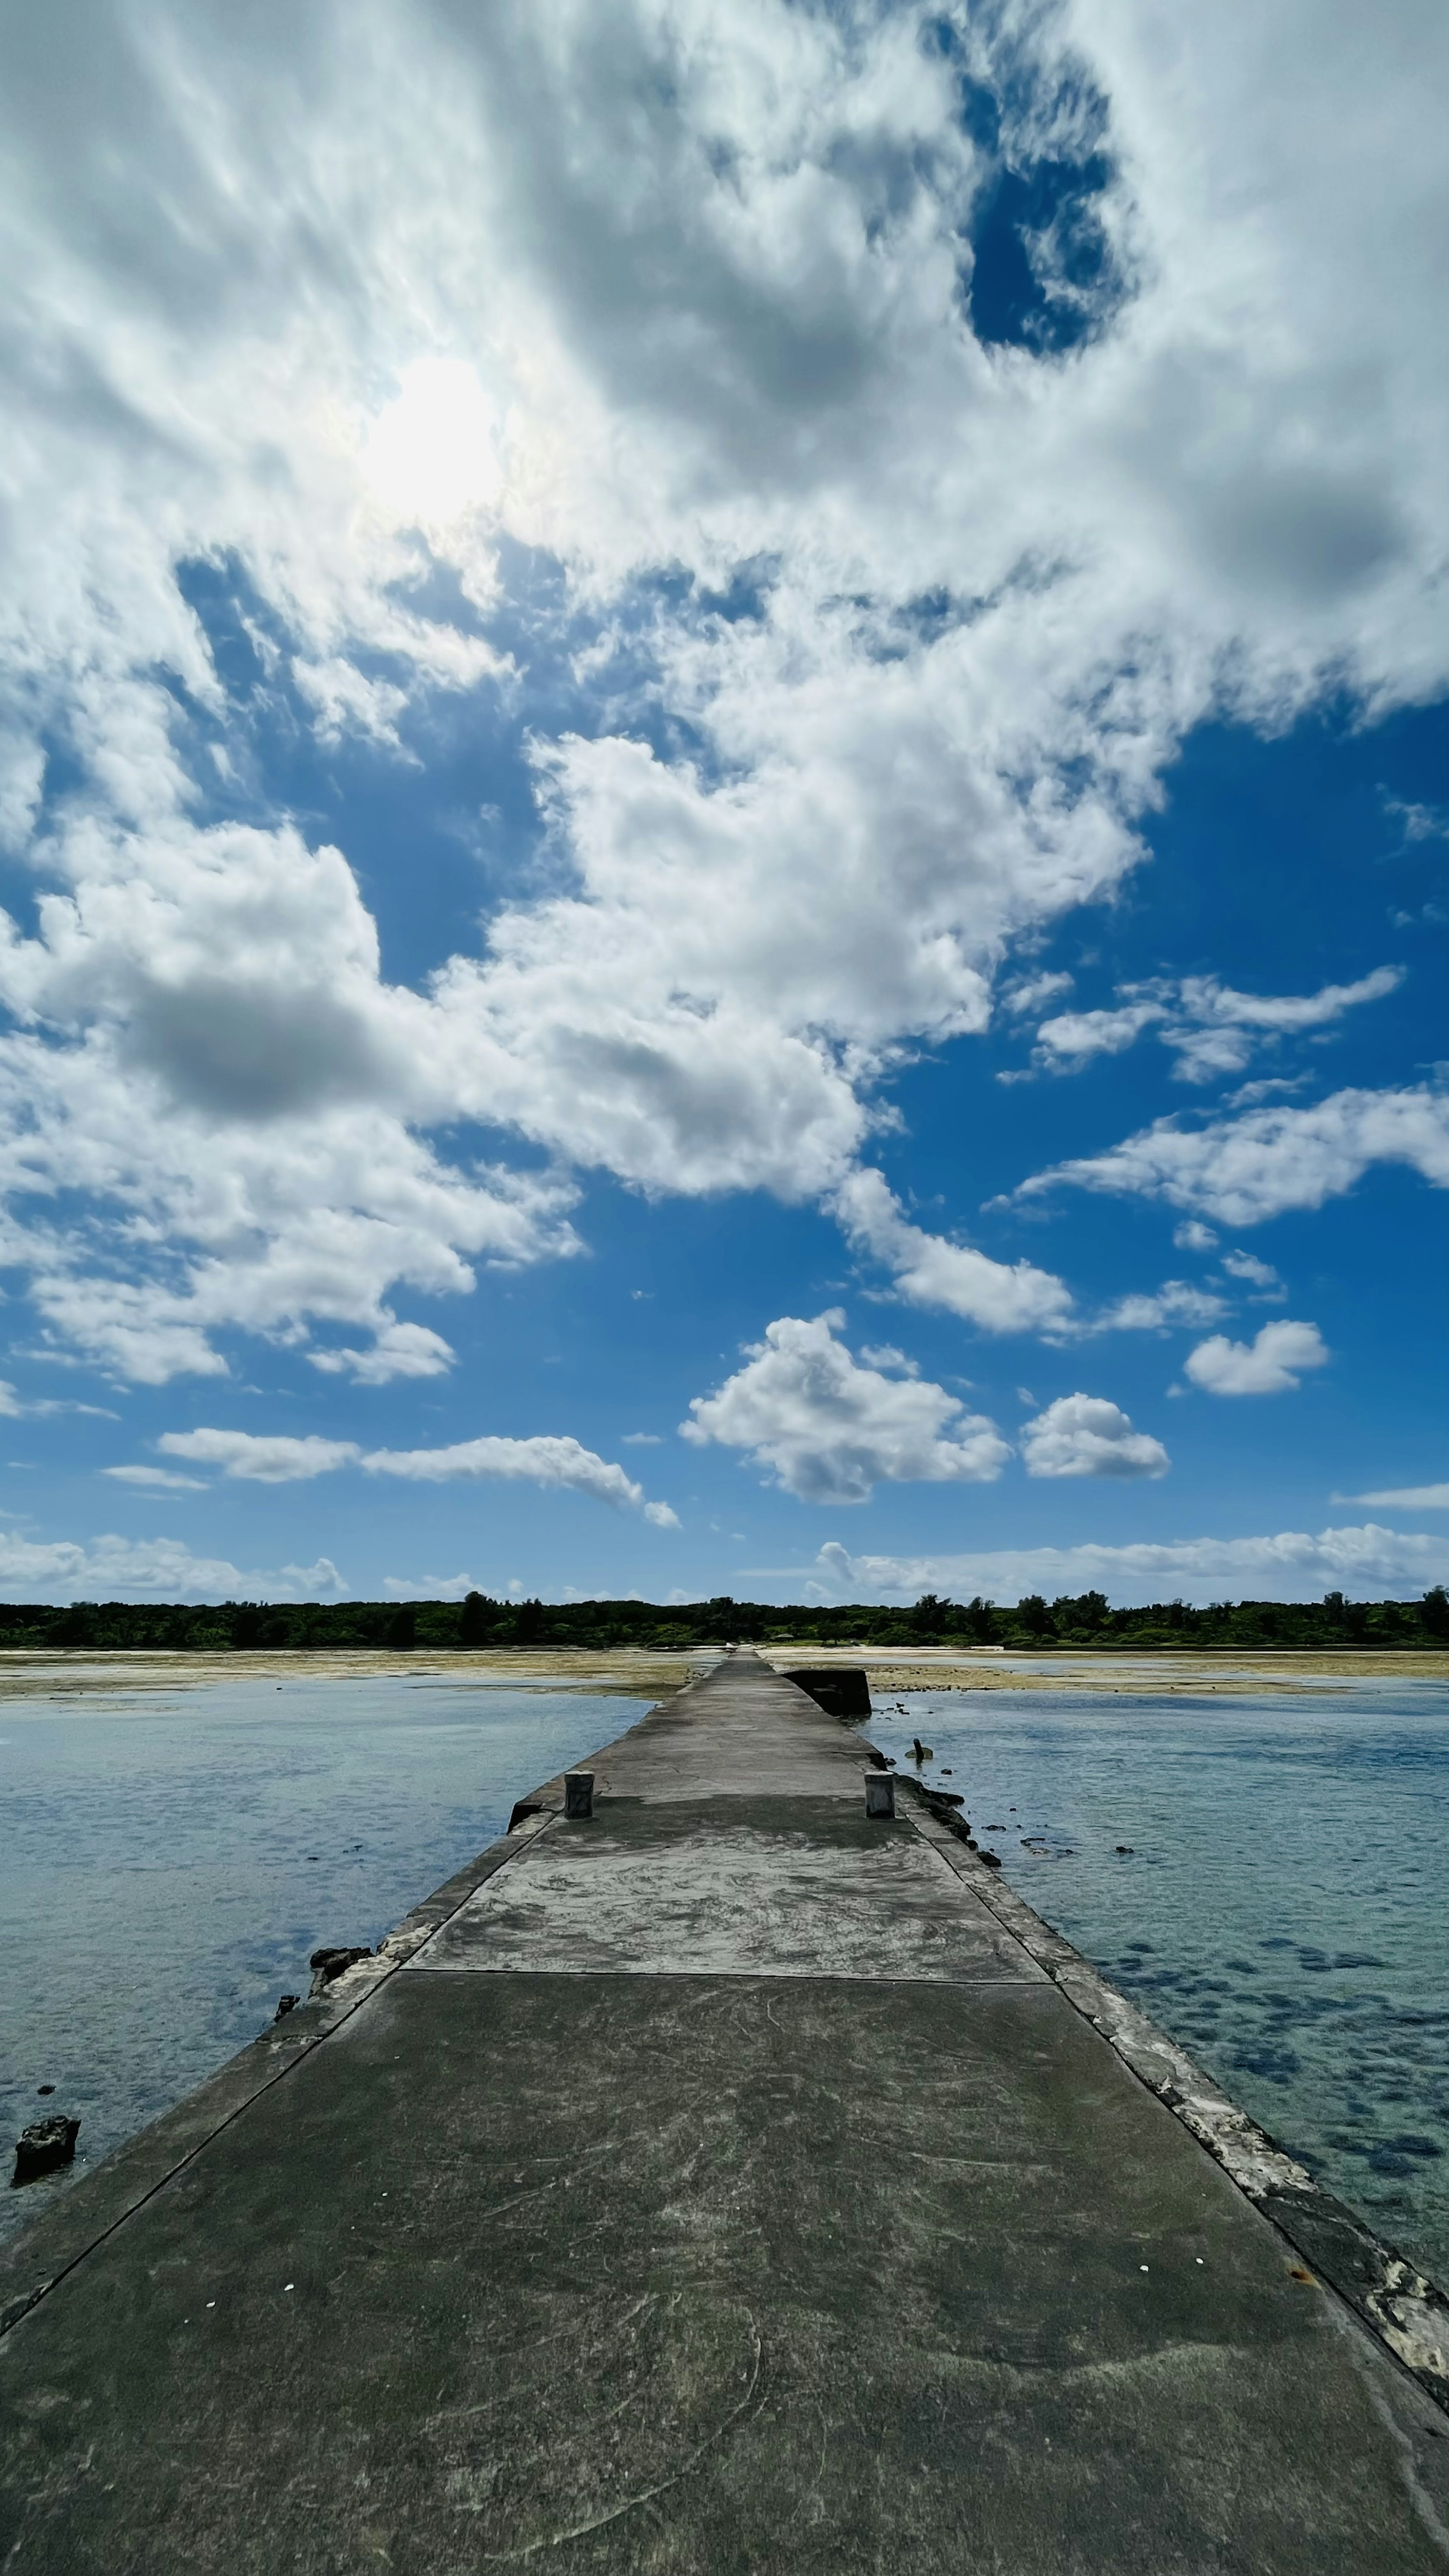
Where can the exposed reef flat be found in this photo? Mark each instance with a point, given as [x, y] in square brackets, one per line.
[641, 1673]
[1236, 1671]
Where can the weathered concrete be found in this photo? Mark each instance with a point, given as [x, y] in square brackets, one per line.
[715, 2183]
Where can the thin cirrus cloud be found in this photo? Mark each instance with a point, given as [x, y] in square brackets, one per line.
[1404, 1498]
[828, 1430]
[546, 1459]
[703, 312]
[1271, 1364]
[1085, 1435]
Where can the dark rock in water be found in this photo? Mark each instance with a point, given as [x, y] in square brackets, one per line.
[947, 1798]
[327, 1965]
[285, 2004]
[45, 2088]
[992, 1859]
[1126, 1850]
[39, 2150]
[922, 1752]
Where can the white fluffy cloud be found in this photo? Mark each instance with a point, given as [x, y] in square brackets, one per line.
[1259, 1275]
[1085, 1435]
[560, 1463]
[1242, 1170]
[262, 1458]
[1073, 1038]
[829, 1429]
[277, 1458]
[998, 1296]
[153, 1569]
[1268, 1365]
[644, 294]
[1367, 1562]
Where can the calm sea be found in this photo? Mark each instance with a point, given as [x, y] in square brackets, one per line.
[1283, 1909]
[171, 1858]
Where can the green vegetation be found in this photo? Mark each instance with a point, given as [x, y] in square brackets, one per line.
[478, 1623]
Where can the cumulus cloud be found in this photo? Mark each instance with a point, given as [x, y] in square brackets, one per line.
[276, 1458]
[1000, 1297]
[344, 303]
[1071, 1040]
[1242, 1170]
[1268, 1365]
[1258, 1274]
[155, 1569]
[400, 1350]
[544, 1460]
[1367, 1562]
[248, 1125]
[829, 1430]
[1085, 1435]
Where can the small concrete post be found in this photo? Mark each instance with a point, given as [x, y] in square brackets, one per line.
[880, 1793]
[578, 1793]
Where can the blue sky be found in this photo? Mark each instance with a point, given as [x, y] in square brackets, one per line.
[724, 854]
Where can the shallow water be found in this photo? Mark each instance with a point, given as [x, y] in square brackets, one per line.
[1281, 1911]
[171, 1858]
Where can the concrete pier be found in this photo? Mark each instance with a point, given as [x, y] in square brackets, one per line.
[715, 2181]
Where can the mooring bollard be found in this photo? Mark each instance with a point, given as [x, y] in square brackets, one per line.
[880, 1793]
[578, 1793]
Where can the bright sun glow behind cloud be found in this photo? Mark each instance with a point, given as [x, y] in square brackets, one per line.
[430, 456]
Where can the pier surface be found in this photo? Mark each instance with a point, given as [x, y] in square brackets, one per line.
[715, 2184]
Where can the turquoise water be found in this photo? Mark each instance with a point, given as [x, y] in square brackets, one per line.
[171, 1858]
[1282, 1910]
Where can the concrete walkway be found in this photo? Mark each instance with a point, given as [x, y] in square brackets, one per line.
[715, 2184]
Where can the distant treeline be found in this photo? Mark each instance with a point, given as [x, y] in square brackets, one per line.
[477, 1623]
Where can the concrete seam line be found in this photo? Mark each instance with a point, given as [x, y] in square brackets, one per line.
[1406, 2312]
[24, 2307]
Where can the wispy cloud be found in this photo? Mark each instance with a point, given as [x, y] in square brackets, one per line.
[1406, 1498]
[1241, 1170]
[1212, 1028]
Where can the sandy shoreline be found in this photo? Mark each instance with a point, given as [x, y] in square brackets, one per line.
[639, 1674]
